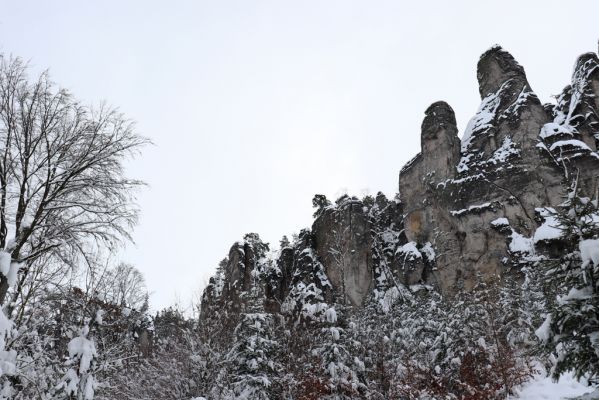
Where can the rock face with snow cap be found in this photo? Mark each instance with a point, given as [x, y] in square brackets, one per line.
[464, 206]
[570, 137]
[502, 172]
[509, 118]
[506, 169]
[496, 67]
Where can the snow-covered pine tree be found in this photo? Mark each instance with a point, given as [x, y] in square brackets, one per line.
[419, 343]
[368, 331]
[451, 348]
[7, 358]
[79, 381]
[252, 360]
[175, 368]
[252, 367]
[571, 327]
[333, 349]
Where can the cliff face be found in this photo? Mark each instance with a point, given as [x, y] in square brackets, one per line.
[465, 206]
[514, 158]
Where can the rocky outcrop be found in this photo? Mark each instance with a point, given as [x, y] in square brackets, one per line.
[505, 170]
[515, 156]
[570, 137]
[343, 243]
[465, 206]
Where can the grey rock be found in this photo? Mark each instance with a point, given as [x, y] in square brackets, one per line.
[515, 156]
[343, 243]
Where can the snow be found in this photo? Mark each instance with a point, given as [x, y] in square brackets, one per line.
[5, 324]
[550, 229]
[90, 387]
[564, 123]
[552, 129]
[410, 250]
[359, 364]
[463, 164]
[99, 315]
[499, 157]
[332, 369]
[576, 294]
[323, 278]
[500, 222]
[482, 343]
[521, 244]
[544, 331]
[481, 122]
[389, 299]
[8, 360]
[418, 287]
[7, 357]
[389, 236]
[507, 149]
[4, 262]
[594, 395]
[27, 221]
[594, 338]
[13, 273]
[476, 207]
[589, 251]
[571, 142]
[72, 382]
[428, 251]
[331, 315]
[468, 178]
[84, 349]
[592, 219]
[252, 364]
[520, 101]
[482, 118]
[579, 83]
[334, 333]
[542, 387]
[312, 311]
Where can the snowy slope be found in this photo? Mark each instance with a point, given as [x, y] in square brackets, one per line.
[543, 388]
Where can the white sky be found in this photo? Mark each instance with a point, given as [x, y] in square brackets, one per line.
[255, 106]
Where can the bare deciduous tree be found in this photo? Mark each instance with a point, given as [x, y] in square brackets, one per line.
[126, 287]
[63, 192]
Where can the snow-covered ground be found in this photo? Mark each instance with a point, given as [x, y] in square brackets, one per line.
[543, 388]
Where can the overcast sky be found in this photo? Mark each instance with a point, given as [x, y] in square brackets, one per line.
[255, 106]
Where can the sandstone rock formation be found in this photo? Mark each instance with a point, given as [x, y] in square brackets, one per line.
[464, 205]
[511, 163]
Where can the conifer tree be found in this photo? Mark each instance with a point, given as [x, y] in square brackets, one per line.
[253, 365]
[571, 327]
[334, 351]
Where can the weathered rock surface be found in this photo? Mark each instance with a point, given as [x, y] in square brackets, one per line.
[343, 244]
[464, 205]
[514, 158]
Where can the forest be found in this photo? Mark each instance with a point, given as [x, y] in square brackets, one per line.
[352, 308]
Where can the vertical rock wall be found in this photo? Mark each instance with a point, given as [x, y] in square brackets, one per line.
[462, 202]
[505, 168]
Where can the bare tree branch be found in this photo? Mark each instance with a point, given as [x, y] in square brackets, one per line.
[62, 181]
